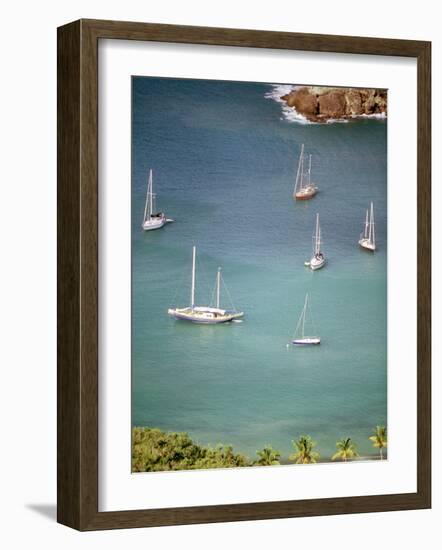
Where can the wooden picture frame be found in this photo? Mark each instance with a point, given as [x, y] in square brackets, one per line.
[78, 274]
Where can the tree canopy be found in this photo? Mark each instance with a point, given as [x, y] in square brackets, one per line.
[154, 450]
[268, 456]
[379, 439]
[345, 449]
[304, 453]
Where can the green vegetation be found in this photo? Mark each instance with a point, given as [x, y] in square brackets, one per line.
[304, 451]
[268, 457]
[346, 449]
[155, 451]
[379, 439]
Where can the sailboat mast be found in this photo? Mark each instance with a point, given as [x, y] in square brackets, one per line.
[366, 224]
[369, 225]
[317, 236]
[299, 172]
[309, 169]
[302, 171]
[150, 194]
[147, 197]
[372, 225]
[303, 315]
[192, 295]
[218, 286]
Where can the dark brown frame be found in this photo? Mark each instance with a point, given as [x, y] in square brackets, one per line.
[77, 224]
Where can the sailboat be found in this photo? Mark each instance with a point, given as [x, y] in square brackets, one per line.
[318, 259]
[304, 188]
[152, 219]
[204, 314]
[300, 338]
[367, 238]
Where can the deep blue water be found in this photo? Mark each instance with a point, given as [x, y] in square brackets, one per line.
[224, 161]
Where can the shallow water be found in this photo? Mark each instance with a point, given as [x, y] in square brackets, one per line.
[224, 160]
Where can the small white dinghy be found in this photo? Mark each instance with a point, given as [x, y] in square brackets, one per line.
[318, 259]
[300, 338]
[152, 219]
[367, 238]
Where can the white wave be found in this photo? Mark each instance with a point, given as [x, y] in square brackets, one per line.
[279, 90]
[336, 120]
[373, 115]
[288, 113]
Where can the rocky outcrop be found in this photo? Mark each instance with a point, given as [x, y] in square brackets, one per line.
[319, 104]
[332, 104]
[303, 101]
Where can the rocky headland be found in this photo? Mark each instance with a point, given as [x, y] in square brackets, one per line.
[321, 104]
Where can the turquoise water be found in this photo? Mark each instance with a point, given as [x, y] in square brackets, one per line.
[224, 160]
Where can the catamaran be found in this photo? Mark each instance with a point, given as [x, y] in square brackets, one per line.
[304, 188]
[367, 237]
[300, 338]
[318, 259]
[152, 219]
[205, 314]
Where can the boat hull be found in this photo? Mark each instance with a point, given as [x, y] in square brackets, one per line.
[306, 194]
[367, 245]
[155, 222]
[306, 341]
[316, 263]
[204, 316]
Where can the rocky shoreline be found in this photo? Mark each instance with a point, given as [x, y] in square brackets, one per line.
[322, 104]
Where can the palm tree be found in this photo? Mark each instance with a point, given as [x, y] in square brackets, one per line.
[346, 449]
[379, 439]
[268, 456]
[304, 451]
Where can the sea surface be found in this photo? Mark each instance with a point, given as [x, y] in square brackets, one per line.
[224, 157]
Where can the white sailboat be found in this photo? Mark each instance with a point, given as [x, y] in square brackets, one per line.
[204, 314]
[304, 188]
[300, 338]
[318, 259]
[152, 219]
[367, 238]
